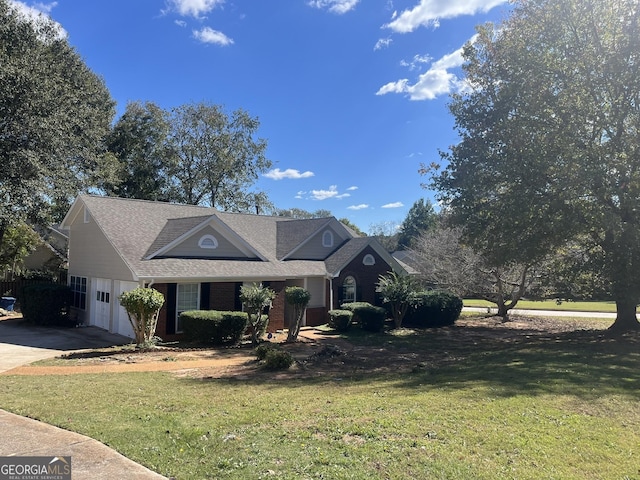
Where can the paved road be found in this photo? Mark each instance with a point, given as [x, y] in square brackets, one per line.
[545, 313]
[21, 344]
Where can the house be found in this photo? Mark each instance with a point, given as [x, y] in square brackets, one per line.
[51, 253]
[199, 257]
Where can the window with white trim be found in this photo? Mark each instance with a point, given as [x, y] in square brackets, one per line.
[208, 241]
[369, 260]
[349, 290]
[327, 239]
[187, 298]
[78, 287]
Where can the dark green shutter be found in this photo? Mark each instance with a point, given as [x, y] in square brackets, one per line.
[172, 289]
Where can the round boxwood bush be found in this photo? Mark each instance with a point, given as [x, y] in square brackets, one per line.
[369, 317]
[277, 359]
[264, 348]
[340, 320]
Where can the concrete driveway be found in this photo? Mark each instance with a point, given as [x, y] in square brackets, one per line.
[21, 343]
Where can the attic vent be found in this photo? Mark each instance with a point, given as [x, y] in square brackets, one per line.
[368, 260]
[208, 241]
[327, 239]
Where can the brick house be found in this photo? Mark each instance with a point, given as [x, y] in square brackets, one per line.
[199, 257]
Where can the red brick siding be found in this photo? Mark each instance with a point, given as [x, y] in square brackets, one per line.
[276, 314]
[316, 316]
[222, 296]
[366, 277]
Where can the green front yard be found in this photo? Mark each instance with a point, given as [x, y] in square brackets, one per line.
[609, 307]
[563, 405]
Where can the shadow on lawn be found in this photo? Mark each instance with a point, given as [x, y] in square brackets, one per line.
[581, 363]
[585, 363]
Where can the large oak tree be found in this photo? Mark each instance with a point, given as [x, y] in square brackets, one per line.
[54, 114]
[549, 148]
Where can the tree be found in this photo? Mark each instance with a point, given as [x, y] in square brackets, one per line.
[386, 233]
[255, 299]
[302, 214]
[299, 298]
[348, 223]
[549, 143]
[17, 243]
[421, 217]
[143, 306]
[216, 157]
[139, 142]
[400, 292]
[446, 262]
[54, 114]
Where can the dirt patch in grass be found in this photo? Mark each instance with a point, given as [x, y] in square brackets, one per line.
[324, 353]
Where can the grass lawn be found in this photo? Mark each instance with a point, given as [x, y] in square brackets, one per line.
[608, 307]
[564, 406]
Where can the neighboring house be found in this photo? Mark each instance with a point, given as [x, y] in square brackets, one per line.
[199, 258]
[51, 253]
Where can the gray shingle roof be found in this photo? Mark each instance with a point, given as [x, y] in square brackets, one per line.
[138, 228]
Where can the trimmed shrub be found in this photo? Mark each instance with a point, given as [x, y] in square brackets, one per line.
[369, 317]
[214, 327]
[340, 320]
[46, 304]
[143, 307]
[435, 309]
[277, 359]
[264, 348]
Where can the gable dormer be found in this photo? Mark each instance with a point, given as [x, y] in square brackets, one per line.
[201, 237]
[311, 239]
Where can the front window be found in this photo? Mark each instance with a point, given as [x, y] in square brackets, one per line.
[188, 298]
[349, 290]
[78, 292]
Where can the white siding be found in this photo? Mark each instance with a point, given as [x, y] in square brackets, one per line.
[121, 319]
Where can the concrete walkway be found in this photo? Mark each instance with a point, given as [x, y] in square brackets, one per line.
[90, 459]
[21, 344]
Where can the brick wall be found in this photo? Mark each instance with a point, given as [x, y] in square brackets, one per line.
[366, 277]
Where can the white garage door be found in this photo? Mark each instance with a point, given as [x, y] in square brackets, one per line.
[123, 326]
[101, 302]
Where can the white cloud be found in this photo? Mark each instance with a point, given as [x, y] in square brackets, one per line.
[393, 205]
[416, 62]
[436, 81]
[324, 194]
[37, 13]
[335, 6]
[362, 206]
[382, 43]
[277, 174]
[429, 12]
[343, 195]
[194, 8]
[181, 23]
[209, 35]
[352, 188]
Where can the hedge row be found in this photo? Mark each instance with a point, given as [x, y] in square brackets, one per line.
[214, 327]
[434, 309]
[47, 304]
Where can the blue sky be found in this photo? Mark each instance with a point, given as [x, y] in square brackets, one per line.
[351, 94]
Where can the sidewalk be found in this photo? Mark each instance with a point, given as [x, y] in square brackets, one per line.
[90, 459]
